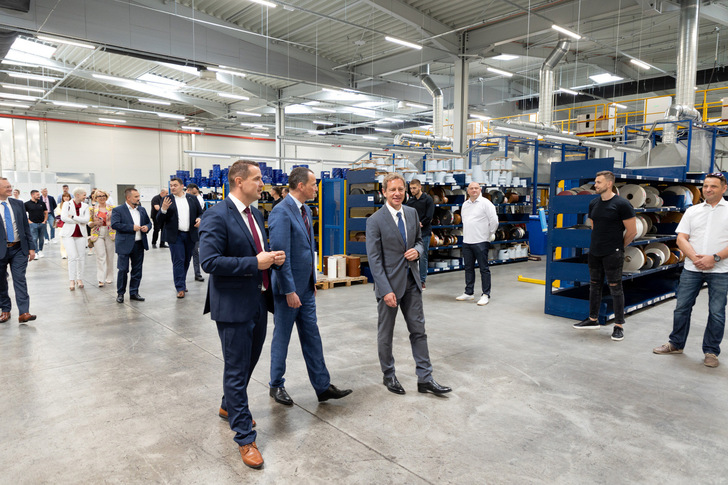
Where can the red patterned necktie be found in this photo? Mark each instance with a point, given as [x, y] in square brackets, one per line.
[306, 223]
[258, 243]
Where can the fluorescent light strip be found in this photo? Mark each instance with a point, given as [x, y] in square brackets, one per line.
[504, 57]
[64, 41]
[248, 113]
[568, 91]
[110, 78]
[20, 97]
[170, 116]
[263, 2]
[154, 101]
[233, 96]
[641, 64]
[112, 120]
[68, 104]
[403, 42]
[266, 135]
[415, 105]
[568, 32]
[325, 123]
[192, 128]
[383, 130]
[18, 87]
[617, 105]
[316, 132]
[226, 71]
[13, 105]
[35, 77]
[253, 125]
[207, 155]
[325, 110]
[188, 69]
[369, 137]
[499, 71]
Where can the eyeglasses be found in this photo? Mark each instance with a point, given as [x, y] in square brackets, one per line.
[717, 175]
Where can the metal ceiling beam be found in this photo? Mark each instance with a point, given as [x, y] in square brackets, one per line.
[424, 24]
[403, 61]
[715, 12]
[309, 26]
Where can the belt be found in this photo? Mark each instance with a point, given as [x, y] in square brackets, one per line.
[15, 243]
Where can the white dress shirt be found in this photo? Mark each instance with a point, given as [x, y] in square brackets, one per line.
[183, 213]
[241, 207]
[480, 220]
[137, 218]
[201, 200]
[12, 218]
[707, 230]
[394, 213]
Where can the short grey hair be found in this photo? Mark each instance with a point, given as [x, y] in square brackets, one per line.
[78, 190]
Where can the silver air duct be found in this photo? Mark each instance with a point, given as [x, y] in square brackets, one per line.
[547, 82]
[437, 109]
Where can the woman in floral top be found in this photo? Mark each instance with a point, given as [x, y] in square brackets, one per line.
[102, 237]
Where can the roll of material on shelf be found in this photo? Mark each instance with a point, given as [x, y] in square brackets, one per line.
[662, 247]
[634, 259]
[635, 194]
[657, 255]
[567, 192]
[456, 218]
[696, 193]
[640, 227]
[445, 216]
[497, 197]
[518, 232]
[653, 199]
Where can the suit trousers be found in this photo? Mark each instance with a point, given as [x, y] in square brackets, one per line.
[308, 334]
[242, 343]
[196, 259]
[18, 263]
[136, 256]
[181, 253]
[76, 250]
[104, 258]
[414, 317]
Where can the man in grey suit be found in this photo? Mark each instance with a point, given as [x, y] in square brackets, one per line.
[394, 244]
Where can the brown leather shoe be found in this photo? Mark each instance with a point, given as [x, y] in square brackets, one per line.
[224, 415]
[251, 455]
[711, 360]
[181, 294]
[4, 317]
[26, 317]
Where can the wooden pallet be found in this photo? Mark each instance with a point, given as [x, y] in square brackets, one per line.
[327, 284]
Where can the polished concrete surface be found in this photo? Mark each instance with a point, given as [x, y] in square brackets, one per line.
[98, 392]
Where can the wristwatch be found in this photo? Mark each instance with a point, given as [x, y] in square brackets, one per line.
[717, 258]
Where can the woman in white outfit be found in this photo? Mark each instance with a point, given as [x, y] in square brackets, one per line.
[102, 237]
[75, 217]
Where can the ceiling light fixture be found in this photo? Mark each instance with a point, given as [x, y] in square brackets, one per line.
[253, 125]
[248, 113]
[33, 48]
[18, 87]
[568, 32]
[504, 57]
[369, 137]
[112, 120]
[263, 2]
[207, 155]
[383, 130]
[403, 42]
[14, 105]
[226, 71]
[233, 96]
[34, 77]
[170, 116]
[179, 67]
[325, 110]
[499, 71]
[320, 122]
[266, 135]
[415, 105]
[605, 78]
[110, 78]
[192, 128]
[64, 41]
[617, 105]
[568, 91]
[21, 97]
[68, 104]
[154, 101]
[316, 132]
[641, 64]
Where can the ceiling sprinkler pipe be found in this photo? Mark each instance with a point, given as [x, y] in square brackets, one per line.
[547, 82]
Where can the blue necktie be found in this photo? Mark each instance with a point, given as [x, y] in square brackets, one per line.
[9, 224]
[400, 225]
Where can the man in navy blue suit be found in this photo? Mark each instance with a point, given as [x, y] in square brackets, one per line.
[16, 249]
[294, 290]
[180, 217]
[234, 252]
[131, 223]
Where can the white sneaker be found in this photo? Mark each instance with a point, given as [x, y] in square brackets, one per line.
[465, 297]
[483, 300]
[38, 254]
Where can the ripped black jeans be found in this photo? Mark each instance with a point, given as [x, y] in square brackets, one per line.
[611, 267]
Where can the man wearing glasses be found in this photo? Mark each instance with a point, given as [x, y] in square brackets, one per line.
[702, 235]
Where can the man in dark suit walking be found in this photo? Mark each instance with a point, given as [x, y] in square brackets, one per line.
[394, 243]
[294, 290]
[156, 206]
[234, 252]
[180, 214]
[16, 249]
[131, 223]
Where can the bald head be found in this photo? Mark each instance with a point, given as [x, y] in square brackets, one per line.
[473, 190]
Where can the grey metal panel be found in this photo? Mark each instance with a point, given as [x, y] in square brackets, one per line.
[109, 21]
[150, 28]
[20, 144]
[33, 142]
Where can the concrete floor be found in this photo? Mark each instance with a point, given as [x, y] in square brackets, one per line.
[97, 392]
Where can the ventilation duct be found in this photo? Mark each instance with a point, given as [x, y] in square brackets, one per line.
[437, 108]
[547, 82]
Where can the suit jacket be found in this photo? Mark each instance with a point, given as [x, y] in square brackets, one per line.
[70, 219]
[288, 233]
[170, 220]
[52, 202]
[385, 251]
[228, 255]
[21, 222]
[123, 224]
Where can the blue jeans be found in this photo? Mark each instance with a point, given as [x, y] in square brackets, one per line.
[687, 291]
[181, 253]
[38, 233]
[423, 257]
[472, 253]
[51, 226]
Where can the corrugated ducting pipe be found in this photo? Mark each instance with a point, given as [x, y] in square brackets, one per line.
[437, 108]
[687, 63]
[547, 82]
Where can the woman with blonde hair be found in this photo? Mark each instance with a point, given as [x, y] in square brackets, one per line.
[65, 197]
[75, 217]
[102, 237]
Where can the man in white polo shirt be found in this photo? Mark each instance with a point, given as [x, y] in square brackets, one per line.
[702, 235]
[480, 222]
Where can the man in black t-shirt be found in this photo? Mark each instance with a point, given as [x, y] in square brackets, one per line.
[614, 226]
[425, 207]
[37, 217]
[156, 205]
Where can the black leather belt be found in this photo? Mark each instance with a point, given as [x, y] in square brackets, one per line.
[15, 243]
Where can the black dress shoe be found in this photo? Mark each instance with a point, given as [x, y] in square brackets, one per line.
[119, 298]
[433, 387]
[393, 385]
[281, 396]
[136, 297]
[333, 393]
[199, 278]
